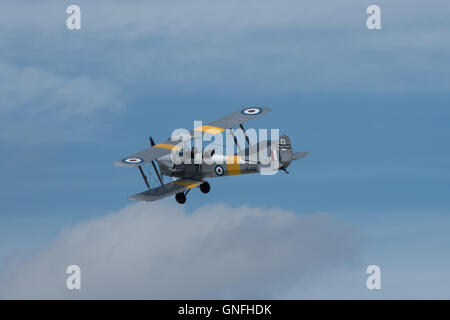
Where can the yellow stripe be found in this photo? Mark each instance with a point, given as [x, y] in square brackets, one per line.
[168, 146]
[210, 129]
[233, 166]
[186, 184]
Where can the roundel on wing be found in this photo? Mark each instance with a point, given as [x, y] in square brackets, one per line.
[219, 170]
[252, 111]
[133, 160]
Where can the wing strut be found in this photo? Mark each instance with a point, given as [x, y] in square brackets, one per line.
[144, 177]
[152, 142]
[235, 140]
[246, 137]
[157, 173]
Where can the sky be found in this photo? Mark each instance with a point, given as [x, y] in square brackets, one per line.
[370, 107]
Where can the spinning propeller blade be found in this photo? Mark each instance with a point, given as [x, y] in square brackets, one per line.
[152, 142]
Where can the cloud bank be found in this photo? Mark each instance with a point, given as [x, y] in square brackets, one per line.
[158, 251]
[34, 90]
[52, 105]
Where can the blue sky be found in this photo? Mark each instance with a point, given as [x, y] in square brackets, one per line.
[371, 107]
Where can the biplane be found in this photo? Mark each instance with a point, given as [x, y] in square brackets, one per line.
[171, 158]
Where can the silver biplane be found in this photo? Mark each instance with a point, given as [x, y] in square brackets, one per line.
[188, 172]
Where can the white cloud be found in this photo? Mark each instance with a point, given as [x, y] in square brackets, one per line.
[40, 105]
[33, 90]
[160, 251]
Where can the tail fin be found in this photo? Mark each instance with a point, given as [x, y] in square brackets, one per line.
[285, 151]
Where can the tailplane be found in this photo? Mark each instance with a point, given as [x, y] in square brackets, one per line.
[299, 155]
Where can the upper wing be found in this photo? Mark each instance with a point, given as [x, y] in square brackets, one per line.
[215, 127]
[148, 155]
[166, 190]
[233, 120]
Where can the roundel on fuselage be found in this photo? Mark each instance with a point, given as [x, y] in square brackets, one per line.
[219, 170]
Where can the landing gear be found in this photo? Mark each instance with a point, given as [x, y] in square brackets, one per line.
[205, 187]
[181, 198]
[284, 169]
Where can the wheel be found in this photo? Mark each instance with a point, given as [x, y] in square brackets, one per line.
[205, 187]
[180, 197]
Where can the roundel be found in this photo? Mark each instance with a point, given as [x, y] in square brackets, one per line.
[252, 111]
[133, 160]
[219, 170]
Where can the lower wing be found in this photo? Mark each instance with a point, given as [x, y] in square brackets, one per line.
[166, 190]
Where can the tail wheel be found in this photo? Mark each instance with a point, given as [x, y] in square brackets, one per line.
[181, 198]
[205, 187]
